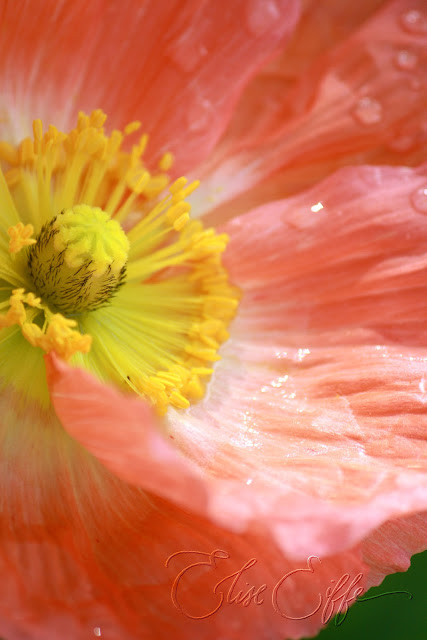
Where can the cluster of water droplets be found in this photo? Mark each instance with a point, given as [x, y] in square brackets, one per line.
[369, 110]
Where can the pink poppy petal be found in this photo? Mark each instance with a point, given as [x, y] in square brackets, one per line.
[265, 104]
[347, 255]
[389, 548]
[97, 557]
[322, 388]
[178, 69]
[361, 102]
[82, 554]
[314, 424]
[120, 431]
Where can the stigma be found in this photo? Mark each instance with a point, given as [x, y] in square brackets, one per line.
[78, 260]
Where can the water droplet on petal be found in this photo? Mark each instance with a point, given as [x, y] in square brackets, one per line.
[414, 21]
[262, 15]
[419, 199]
[368, 111]
[97, 631]
[187, 52]
[200, 114]
[401, 143]
[406, 60]
[317, 207]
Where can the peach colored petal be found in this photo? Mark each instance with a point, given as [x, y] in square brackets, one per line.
[265, 103]
[150, 530]
[315, 420]
[98, 415]
[179, 68]
[82, 552]
[363, 101]
[389, 548]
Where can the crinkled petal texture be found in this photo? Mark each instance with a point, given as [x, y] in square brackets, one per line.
[83, 554]
[356, 95]
[176, 66]
[312, 438]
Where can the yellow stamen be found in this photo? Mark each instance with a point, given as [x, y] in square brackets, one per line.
[59, 335]
[166, 162]
[20, 237]
[146, 309]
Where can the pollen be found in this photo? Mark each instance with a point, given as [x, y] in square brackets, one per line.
[103, 264]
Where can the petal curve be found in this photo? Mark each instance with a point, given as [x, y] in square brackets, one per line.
[363, 102]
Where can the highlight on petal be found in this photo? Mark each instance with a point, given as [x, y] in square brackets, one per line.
[178, 68]
[362, 101]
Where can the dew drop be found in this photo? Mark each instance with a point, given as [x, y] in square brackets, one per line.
[187, 52]
[403, 142]
[368, 111]
[406, 60]
[419, 199]
[317, 207]
[200, 114]
[414, 21]
[97, 631]
[262, 15]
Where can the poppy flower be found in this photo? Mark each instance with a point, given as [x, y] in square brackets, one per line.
[201, 441]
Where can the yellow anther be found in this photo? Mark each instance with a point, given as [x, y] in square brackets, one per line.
[178, 401]
[37, 129]
[97, 118]
[166, 162]
[194, 388]
[180, 194]
[131, 127]
[59, 337]
[177, 210]
[62, 338]
[20, 236]
[202, 371]
[138, 180]
[82, 121]
[178, 185]
[143, 143]
[156, 185]
[33, 334]
[181, 221]
[17, 313]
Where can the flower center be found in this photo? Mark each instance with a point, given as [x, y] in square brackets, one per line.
[78, 261]
[105, 267]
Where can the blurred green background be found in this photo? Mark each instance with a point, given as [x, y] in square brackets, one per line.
[392, 617]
